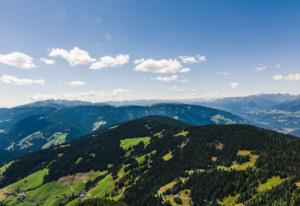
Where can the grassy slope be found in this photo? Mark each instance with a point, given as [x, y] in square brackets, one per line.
[269, 184]
[128, 143]
[5, 167]
[56, 139]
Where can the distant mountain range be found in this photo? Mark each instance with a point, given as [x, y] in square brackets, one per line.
[280, 112]
[157, 161]
[45, 124]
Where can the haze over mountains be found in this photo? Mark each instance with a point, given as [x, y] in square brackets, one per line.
[278, 112]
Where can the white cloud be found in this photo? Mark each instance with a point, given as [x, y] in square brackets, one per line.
[77, 83]
[234, 85]
[17, 59]
[92, 96]
[278, 77]
[167, 78]
[8, 79]
[160, 66]
[47, 61]
[193, 59]
[278, 65]
[289, 77]
[74, 56]
[260, 67]
[108, 61]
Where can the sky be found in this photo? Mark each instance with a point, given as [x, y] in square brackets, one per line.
[100, 50]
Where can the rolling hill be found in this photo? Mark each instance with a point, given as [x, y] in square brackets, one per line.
[45, 124]
[156, 161]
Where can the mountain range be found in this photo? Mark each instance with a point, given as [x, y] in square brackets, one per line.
[156, 161]
[46, 124]
[280, 112]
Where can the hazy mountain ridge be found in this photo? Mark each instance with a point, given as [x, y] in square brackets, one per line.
[160, 161]
[280, 112]
[31, 128]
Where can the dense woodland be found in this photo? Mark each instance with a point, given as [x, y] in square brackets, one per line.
[172, 163]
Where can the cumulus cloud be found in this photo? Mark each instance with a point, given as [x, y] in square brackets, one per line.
[17, 59]
[77, 83]
[109, 61]
[289, 77]
[74, 56]
[192, 59]
[92, 96]
[47, 61]
[234, 85]
[160, 66]
[260, 67]
[167, 78]
[8, 79]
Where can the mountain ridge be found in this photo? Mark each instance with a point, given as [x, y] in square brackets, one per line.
[27, 129]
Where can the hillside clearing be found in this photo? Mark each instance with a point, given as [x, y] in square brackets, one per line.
[128, 143]
[269, 184]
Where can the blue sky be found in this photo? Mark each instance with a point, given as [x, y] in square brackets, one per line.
[158, 49]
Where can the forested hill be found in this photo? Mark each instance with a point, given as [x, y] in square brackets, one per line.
[46, 124]
[160, 161]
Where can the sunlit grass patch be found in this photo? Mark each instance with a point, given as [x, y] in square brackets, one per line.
[98, 124]
[34, 180]
[79, 159]
[243, 166]
[250, 164]
[220, 119]
[128, 143]
[5, 167]
[142, 158]
[56, 139]
[168, 156]
[52, 193]
[269, 184]
[230, 200]
[183, 133]
[183, 195]
[244, 153]
[105, 186]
